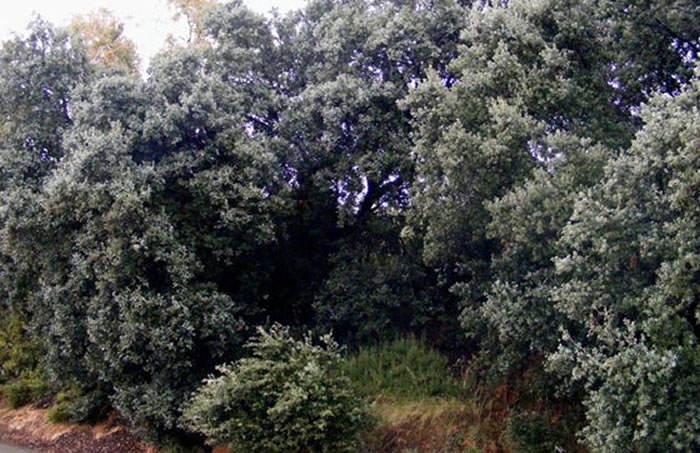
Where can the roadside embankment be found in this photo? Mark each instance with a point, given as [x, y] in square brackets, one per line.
[29, 428]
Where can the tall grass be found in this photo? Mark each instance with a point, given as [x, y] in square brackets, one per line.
[405, 369]
[422, 405]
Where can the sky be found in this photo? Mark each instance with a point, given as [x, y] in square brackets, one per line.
[146, 22]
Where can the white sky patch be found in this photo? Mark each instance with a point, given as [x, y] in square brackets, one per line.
[146, 22]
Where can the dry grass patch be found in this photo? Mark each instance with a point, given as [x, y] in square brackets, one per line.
[438, 425]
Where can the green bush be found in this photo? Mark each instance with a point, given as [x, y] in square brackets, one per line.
[402, 369]
[289, 396]
[24, 390]
[529, 432]
[79, 405]
[19, 354]
[21, 369]
[59, 413]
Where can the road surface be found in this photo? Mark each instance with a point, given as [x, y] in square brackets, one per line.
[4, 448]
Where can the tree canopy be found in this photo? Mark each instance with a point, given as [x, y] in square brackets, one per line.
[514, 180]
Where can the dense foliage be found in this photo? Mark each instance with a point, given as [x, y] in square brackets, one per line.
[514, 181]
[288, 396]
[629, 273]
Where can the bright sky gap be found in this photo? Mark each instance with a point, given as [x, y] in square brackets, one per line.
[146, 22]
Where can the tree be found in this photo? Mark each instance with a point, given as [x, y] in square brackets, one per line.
[535, 85]
[527, 84]
[654, 44]
[371, 167]
[534, 111]
[186, 208]
[194, 11]
[377, 287]
[630, 286]
[331, 76]
[37, 74]
[527, 222]
[162, 200]
[106, 45]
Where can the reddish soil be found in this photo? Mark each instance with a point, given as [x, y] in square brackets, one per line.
[29, 428]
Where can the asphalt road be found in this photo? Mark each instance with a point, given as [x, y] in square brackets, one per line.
[11, 449]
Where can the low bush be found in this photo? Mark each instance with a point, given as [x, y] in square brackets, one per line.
[19, 354]
[289, 396]
[530, 432]
[24, 390]
[60, 412]
[79, 405]
[21, 368]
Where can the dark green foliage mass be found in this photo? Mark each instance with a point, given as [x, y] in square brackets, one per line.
[160, 207]
[629, 270]
[37, 74]
[512, 180]
[527, 222]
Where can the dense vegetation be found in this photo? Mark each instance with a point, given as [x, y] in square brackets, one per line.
[516, 182]
[288, 396]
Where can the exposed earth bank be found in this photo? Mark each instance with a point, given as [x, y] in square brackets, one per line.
[29, 428]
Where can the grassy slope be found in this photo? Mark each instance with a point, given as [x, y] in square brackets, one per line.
[425, 406]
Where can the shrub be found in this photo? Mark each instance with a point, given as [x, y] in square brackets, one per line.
[79, 405]
[19, 354]
[59, 413]
[24, 390]
[288, 396]
[21, 368]
[529, 432]
[402, 369]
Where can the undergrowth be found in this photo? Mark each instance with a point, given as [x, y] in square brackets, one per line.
[21, 371]
[425, 406]
[403, 369]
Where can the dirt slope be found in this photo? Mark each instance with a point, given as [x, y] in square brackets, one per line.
[28, 427]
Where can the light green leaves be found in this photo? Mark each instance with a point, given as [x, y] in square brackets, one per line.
[288, 396]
